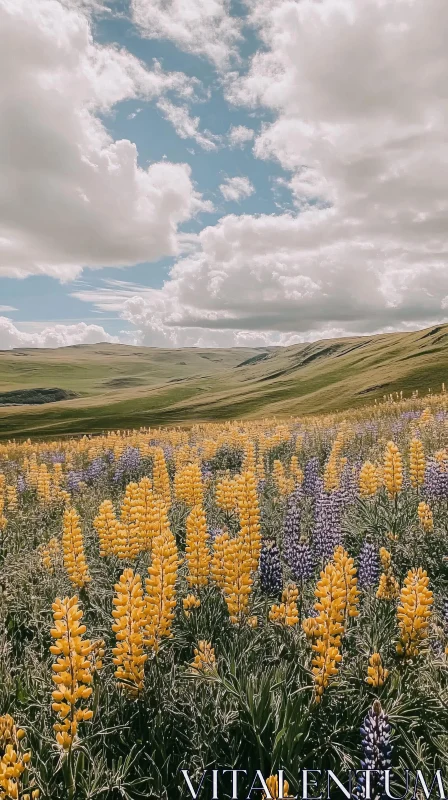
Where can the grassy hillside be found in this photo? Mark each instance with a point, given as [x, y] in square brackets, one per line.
[118, 386]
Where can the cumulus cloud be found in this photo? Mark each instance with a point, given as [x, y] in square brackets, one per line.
[51, 336]
[357, 95]
[239, 135]
[72, 196]
[186, 126]
[236, 188]
[202, 27]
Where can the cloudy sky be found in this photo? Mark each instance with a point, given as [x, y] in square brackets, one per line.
[221, 172]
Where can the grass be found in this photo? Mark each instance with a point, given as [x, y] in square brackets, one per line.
[119, 386]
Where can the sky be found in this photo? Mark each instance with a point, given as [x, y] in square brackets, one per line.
[221, 172]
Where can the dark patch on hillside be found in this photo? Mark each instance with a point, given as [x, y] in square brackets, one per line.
[253, 360]
[326, 351]
[433, 331]
[21, 397]
[373, 388]
[123, 383]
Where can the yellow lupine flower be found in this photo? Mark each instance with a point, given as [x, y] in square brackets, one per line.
[237, 577]
[129, 615]
[106, 526]
[425, 516]
[204, 661]
[73, 549]
[368, 480]
[217, 564]
[196, 548]
[249, 514]
[413, 612]
[393, 469]
[376, 673]
[286, 613]
[72, 671]
[161, 585]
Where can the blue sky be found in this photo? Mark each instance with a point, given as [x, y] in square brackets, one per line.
[130, 211]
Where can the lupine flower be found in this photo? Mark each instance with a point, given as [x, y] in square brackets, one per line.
[393, 469]
[128, 527]
[21, 484]
[128, 464]
[327, 533]
[328, 627]
[425, 516]
[72, 672]
[368, 480]
[204, 661]
[161, 584]
[271, 577]
[436, 481]
[73, 480]
[188, 485]
[189, 602]
[377, 752]
[95, 470]
[249, 514]
[196, 548]
[237, 577]
[287, 612]
[376, 674]
[14, 762]
[218, 562]
[346, 565]
[413, 613]
[160, 478]
[311, 477]
[129, 615]
[106, 526]
[273, 788]
[369, 568]
[73, 549]
[225, 494]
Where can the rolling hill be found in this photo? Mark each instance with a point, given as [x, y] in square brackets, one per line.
[118, 386]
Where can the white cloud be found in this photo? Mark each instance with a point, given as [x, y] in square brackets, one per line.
[202, 27]
[51, 336]
[239, 135]
[8, 308]
[70, 195]
[237, 188]
[186, 126]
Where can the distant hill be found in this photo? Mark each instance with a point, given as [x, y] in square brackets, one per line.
[119, 386]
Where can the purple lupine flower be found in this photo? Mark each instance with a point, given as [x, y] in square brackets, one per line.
[301, 561]
[21, 484]
[271, 577]
[128, 463]
[74, 478]
[348, 484]
[377, 751]
[327, 533]
[94, 470]
[436, 481]
[311, 477]
[261, 486]
[369, 566]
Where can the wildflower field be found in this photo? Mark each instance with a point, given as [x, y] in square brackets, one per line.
[262, 594]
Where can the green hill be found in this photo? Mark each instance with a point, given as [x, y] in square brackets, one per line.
[119, 386]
